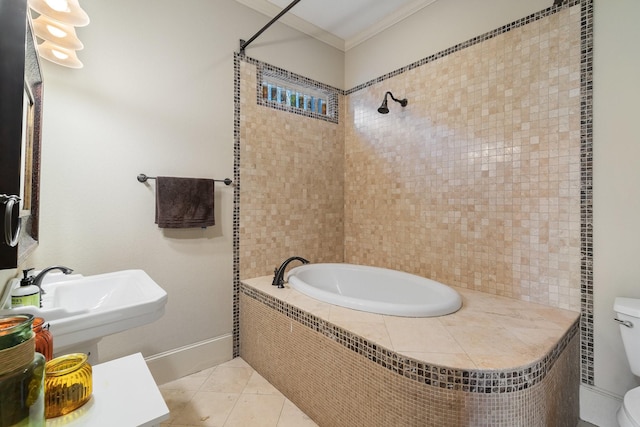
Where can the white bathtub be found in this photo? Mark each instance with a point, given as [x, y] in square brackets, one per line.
[376, 290]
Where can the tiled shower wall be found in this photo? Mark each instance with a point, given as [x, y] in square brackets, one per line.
[502, 111]
[476, 183]
[291, 199]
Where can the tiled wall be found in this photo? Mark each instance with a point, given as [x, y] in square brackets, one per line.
[481, 181]
[292, 178]
[476, 183]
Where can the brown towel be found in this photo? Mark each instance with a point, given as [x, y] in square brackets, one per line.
[184, 202]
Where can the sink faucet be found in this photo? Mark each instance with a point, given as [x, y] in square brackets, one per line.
[38, 279]
[278, 273]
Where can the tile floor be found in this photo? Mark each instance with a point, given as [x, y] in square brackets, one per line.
[229, 395]
[233, 395]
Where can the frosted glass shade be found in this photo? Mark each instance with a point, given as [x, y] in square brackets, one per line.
[59, 55]
[65, 11]
[56, 32]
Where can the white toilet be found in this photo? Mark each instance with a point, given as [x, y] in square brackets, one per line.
[628, 310]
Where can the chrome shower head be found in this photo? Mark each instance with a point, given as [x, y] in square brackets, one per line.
[384, 108]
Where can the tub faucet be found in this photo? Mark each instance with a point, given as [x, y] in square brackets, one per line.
[38, 279]
[278, 273]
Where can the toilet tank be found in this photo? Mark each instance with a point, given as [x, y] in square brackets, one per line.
[628, 310]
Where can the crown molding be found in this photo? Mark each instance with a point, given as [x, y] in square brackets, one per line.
[269, 9]
[386, 22]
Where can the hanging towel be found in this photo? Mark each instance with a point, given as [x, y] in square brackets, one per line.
[184, 202]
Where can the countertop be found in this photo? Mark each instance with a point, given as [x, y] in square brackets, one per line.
[124, 395]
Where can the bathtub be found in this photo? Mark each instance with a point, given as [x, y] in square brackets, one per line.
[375, 290]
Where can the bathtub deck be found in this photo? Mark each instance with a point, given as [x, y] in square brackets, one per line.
[488, 332]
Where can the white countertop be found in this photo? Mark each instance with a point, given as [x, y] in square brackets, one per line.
[124, 395]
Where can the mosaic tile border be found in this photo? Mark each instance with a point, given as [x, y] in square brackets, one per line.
[472, 381]
[236, 205]
[586, 192]
[288, 76]
[586, 138]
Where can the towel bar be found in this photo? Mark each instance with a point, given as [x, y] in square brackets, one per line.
[143, 178]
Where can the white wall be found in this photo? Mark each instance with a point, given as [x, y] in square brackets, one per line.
[616, 200]
[616, 184]
[155, 97]
[434, 28]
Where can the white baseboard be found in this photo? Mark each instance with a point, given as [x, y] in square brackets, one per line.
[173, 364]
[598, 406]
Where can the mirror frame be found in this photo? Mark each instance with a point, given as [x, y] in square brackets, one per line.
[19, 72]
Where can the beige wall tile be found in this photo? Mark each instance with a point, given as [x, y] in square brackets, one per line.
[476, 183]
[291, 198]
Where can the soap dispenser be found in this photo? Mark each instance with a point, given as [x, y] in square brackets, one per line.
[27, 293]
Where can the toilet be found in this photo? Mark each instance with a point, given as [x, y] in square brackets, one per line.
[628, 310]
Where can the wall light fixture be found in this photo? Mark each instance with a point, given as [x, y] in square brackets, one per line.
[56, 27]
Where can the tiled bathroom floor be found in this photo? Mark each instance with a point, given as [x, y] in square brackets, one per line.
[229, 395]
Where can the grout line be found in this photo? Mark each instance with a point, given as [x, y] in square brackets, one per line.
[284, 400]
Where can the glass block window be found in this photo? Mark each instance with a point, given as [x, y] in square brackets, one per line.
[289, 92]
[295, 96]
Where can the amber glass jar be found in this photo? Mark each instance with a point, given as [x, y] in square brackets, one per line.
[21, 374]
[44, 339]
[68, 384]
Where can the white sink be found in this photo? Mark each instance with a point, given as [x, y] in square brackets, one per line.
[81, 310]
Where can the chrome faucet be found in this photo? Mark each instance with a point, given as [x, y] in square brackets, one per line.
[38, 279]
[278, 273]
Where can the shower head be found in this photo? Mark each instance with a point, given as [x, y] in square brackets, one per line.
[384, 108]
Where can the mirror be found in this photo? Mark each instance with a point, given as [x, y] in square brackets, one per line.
[21, 87]
[26, 156]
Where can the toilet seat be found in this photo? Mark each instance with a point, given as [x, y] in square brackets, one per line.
[629, 413]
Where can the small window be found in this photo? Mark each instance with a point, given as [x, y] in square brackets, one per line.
[295, 96]
[286, 91]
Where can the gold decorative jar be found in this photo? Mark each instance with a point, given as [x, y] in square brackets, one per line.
[21, 374]
[68, 384]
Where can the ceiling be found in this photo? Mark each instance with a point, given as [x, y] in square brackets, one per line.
[340, 23]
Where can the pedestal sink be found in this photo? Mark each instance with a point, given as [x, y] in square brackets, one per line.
[81, 310]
